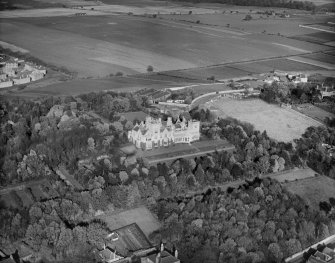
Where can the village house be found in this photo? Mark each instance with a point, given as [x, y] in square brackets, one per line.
[154, 133]
[300, 78]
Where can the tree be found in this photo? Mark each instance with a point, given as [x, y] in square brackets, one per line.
[150, 68]
[275, 252]
[247, 17]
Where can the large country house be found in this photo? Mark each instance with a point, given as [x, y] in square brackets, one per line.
[154, 133]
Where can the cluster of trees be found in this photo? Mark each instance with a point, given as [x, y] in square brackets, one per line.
[305, 5]
[185, 94]
[258, 222]
[109, 103]
[289, 93]
[309, 147]
[37, 137]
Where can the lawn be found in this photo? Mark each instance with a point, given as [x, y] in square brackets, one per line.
[280, 124]
[141, 216]
[313, 190]
[292, 175]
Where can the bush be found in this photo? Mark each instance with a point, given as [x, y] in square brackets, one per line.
[119, 74]
[247, 17]
[150, 68]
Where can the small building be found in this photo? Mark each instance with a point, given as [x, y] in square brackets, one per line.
[109, 255]
[300, 78]
[269, 80]
[36, 75]
[3, 76]
[6, 84]
[21, 80]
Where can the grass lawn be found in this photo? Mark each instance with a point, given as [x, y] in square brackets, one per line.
[280, 124]
[313, 190]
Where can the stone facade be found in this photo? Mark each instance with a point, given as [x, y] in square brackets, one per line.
[154, 133]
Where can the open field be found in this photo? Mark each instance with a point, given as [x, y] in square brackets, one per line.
[141, 216]
[314, 112]
[280, 124]
[316, 37]
[220, 72]
[259, 23]
[313, 190]
[312, 62]
[95, 46]
[75, 87]
[322, 57]
[292, 175]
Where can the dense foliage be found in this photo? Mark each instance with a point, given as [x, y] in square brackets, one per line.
[259, 222]
[37, 138]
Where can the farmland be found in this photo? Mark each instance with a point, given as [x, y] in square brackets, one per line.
[95, 46]
[313, 190]
[280, 124]
[326, 58]
[259, 23]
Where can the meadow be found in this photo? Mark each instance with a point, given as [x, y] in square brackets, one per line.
[280, 124]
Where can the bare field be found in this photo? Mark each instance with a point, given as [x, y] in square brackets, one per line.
[95, 46]
[141, 216]
[280, 124]
[313, 190]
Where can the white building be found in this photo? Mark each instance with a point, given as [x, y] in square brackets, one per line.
[154, 133]
[6, 84]
[22, 80]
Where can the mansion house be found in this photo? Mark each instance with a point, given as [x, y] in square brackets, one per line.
[155, 133]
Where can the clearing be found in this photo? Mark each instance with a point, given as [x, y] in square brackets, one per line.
[313, 190]
[280, 124]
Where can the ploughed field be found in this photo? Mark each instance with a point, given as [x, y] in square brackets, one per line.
[96, 46]
[279, 123]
